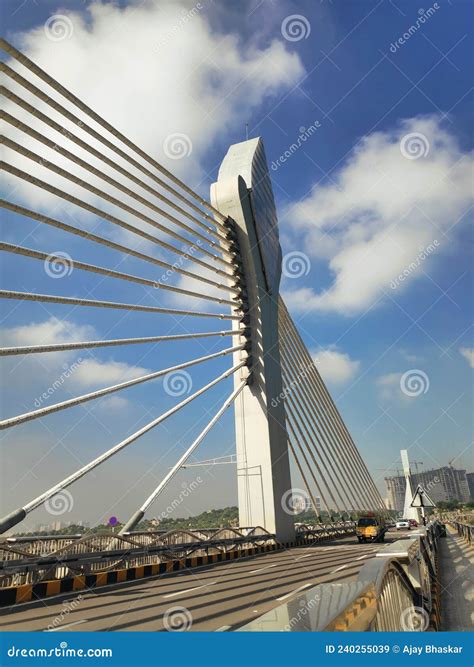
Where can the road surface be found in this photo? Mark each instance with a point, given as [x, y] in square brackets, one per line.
[214, 597]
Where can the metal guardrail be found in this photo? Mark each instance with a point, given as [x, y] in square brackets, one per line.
[462, 522]
[34, 559]
[325, 530]
[30, 560]
[396, 590]
[464, 530]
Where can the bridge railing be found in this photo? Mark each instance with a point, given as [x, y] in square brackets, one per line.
[464, 530]
[325, 530]
[403, 579]
[406, 584]
[396, 590]
[32, 560]
[25, 560]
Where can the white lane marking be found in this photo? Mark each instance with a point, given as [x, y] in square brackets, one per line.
[263, 568]
[223, 628]
[188, 590]
[365, 556]
[62, 627]
[341, 567]
[307, 556]
[297, 590]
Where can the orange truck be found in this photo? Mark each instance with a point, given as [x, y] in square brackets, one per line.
[371, 528]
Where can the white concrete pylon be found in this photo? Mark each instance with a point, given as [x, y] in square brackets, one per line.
[243, 191]
[409, 512]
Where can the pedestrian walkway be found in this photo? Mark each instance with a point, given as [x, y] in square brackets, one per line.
[456, 562]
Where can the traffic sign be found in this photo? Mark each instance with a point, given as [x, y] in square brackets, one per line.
[421, 498]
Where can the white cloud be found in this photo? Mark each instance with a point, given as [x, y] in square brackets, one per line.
[114, 403]
[174, 76]
[93, 372]
[389, 380]
[44, 368]
[408, 356]
[47, 332]
[468, 354]
[388, 386]
[335, 367]
[384, 210]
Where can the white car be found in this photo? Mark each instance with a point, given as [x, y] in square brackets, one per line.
[402, 524]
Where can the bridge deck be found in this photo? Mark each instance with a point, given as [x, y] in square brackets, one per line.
[217, 597]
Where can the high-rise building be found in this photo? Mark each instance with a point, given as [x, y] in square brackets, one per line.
[470, 483]
[441, 484]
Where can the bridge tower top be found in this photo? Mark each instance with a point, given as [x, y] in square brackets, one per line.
[248, 160]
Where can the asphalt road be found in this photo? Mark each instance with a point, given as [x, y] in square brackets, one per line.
[215, 597]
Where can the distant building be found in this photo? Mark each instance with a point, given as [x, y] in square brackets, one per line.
[441, 484]
[470, 483]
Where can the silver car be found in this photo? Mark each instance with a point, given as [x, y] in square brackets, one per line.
[402, 524]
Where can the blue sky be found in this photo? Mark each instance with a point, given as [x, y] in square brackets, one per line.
[378, 183]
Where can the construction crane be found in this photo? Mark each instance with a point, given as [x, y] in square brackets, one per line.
[416, 463]
[450, 463]
[397, 470]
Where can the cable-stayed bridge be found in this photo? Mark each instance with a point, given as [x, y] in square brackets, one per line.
[220, 267]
